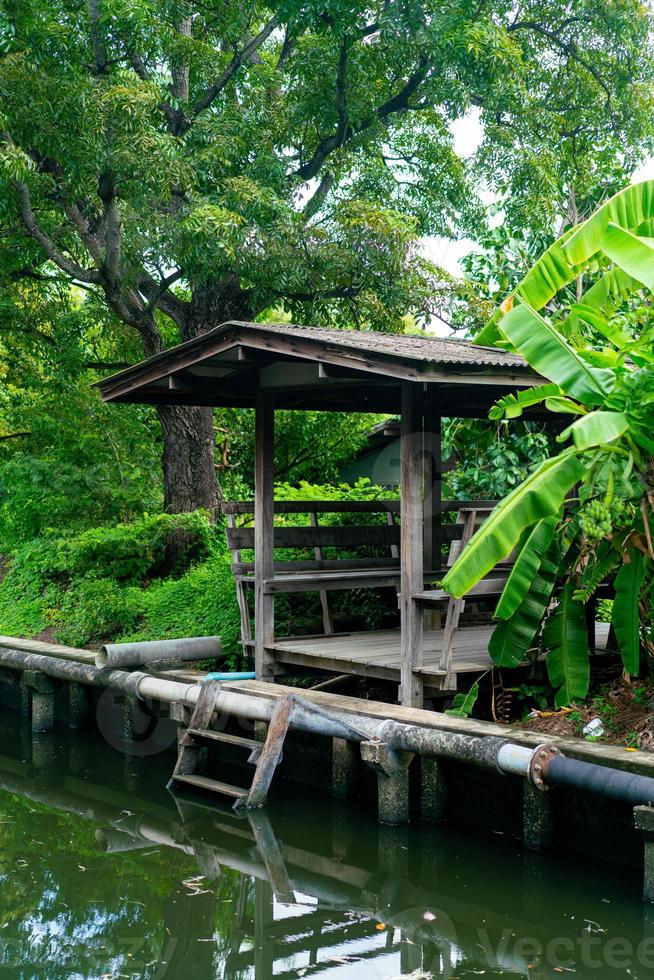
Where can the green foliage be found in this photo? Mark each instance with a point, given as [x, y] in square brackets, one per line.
[309, 446]
[526, 566]
[293, 153]
[612, 456]
[464, 703]
[540, 496]
[512, 638]
[625, 615]
[491, 459]
[113, 582]
[566, 641]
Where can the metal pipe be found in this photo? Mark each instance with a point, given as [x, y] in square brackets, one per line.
[543, 765]
[628, 787]
[156, 651]
[234, 675]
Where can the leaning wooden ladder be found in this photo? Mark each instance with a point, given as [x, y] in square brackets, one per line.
[265, 756]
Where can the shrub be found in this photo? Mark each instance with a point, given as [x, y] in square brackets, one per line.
[106, 584]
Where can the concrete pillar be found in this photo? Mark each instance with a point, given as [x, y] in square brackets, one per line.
[393, 848]
[79, 706]
[392, 768]
[345, 768]
[42, 711]
[129, 710]
[644, 822]
[433, 790]
[345, 833]
[43, 753]
[25, 700]
[41, 690]
[410, 957]
[536, 817]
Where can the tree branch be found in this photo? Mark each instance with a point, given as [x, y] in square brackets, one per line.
[34, 230]
[14, 435]
[315, 202]
[180, 73]
[97, 43]
[112, 224]
[159, 297]
[568, 47]
[239, 58]
[339, 292]
[398, 103]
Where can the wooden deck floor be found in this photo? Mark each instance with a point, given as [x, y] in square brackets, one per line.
[378, 654]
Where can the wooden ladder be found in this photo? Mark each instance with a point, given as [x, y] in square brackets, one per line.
[265, 756]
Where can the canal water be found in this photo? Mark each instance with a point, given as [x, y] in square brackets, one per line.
[105, 875]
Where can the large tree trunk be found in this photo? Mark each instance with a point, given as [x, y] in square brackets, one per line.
[188, 458]
[188, 435]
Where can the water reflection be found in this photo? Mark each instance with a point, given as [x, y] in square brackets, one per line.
[104, 875]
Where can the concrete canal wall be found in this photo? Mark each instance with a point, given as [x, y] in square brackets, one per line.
[434, 784]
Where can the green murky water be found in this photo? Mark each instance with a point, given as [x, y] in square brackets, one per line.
[104, 875]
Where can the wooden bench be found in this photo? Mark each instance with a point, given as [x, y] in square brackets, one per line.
[323, 575]
[317, 574]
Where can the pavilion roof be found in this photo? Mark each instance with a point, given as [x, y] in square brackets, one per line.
[316, 367]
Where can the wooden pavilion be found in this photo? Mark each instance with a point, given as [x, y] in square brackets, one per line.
[420, 378]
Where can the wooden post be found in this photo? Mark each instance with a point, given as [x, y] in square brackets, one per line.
[264, 531]
[432, 479]
[411, 545]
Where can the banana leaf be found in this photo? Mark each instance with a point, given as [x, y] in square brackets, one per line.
[625, 618]
[629, 208]
[618, 337]
[609, 292]
[463, 704]
[566, 639]
[632, 208]
[512, 638]
[596, 429]
[551, 355]
[525, 567]
[540, 495]
[552, 271]
[564, 405]
[633, 255]
[512, 406]
[599, 567]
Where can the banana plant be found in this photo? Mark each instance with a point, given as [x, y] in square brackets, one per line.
[588, 512]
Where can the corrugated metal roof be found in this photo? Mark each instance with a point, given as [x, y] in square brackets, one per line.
[423, 348]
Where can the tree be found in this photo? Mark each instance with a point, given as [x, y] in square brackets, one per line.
[598, 358]
[193, 163]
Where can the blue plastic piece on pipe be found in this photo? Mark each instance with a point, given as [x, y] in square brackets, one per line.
[234, 676]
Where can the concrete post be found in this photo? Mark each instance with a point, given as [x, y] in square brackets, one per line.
[345, 766]
[644, 822]
[392, 768]
[25, 700]
[79, 706]
[43, 754]
[129, 709]
[433, 790]
[536, 817]
[41, 690]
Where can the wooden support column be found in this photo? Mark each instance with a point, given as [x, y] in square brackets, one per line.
[264, 530]
[411, 544]
[432, 503]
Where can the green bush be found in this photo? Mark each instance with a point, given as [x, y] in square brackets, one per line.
[108, 583]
